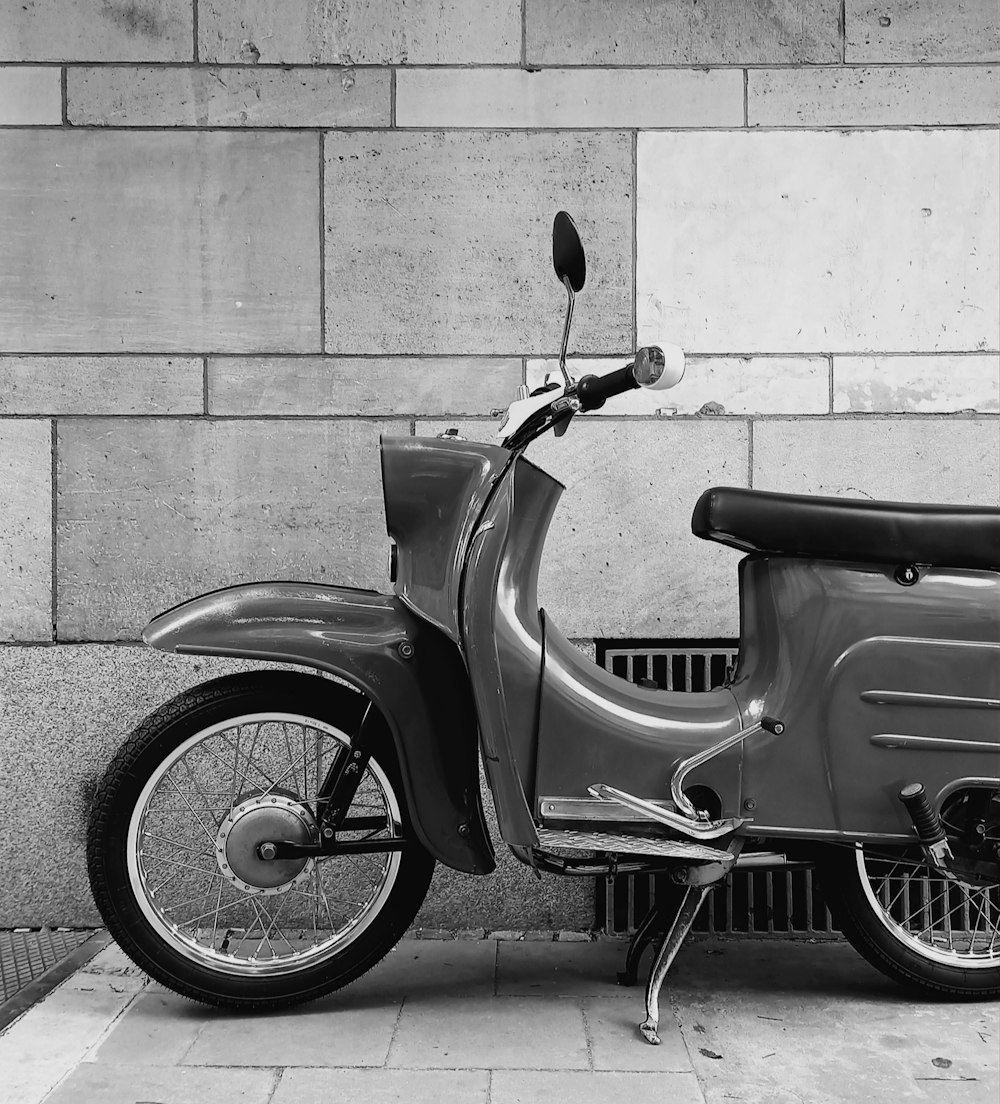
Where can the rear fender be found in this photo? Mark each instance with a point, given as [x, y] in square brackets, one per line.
[408, 668]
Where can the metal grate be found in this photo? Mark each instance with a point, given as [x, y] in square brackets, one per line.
[26, 955]
[750, 902]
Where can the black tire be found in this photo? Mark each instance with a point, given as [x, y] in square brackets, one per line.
[186, 733]
[912, 951]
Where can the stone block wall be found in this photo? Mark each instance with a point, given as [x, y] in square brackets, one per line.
[242, 238]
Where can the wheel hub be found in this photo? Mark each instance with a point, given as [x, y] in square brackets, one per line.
[273, 817]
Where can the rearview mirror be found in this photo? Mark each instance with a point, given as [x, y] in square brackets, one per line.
[657, 369]
[568, 257]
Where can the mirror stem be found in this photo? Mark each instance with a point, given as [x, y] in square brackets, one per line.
[565, 337]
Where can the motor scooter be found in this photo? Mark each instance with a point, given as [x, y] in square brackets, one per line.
[265, 838]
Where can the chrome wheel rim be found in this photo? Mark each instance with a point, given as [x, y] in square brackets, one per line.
[190, 858]
[944, 921]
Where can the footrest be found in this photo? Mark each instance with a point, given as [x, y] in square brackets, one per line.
[632, 845]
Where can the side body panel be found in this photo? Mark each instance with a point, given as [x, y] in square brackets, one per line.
[364, 638]
[856, 666]
[435, 490]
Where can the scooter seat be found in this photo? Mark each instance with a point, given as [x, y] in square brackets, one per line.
[850, 529]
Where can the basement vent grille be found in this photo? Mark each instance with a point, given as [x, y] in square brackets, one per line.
[750, 902]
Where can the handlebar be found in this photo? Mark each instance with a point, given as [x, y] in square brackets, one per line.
[594, 391]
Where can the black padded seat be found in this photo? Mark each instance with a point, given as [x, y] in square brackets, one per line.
[852, 529]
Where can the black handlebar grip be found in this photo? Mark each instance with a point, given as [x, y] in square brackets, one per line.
[592, 391]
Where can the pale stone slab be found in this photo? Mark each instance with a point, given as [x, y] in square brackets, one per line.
[615, 1042]
[569, 98]
[489, 1033]
[29, 96]
[382, 1086]
[340, 1030]
[622, 532]
[152, 512]
[101, 385]
[683, 32]
[158, 1029]
[714, 385]
[148, 241]
[919, 460]
[96, 30]
[939, 95]
[922, 30]
[361, 385]
[367, 32]
[26, 533]
[820, 241]
[563, 969]
[432, 968]
[548, 1087]
[159, 96]
[109, 1084]
[916, 385]
[440, 242]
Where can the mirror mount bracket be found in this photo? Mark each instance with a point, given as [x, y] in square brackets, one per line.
[571, 298]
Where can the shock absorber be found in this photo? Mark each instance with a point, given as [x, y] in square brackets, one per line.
[927, 824]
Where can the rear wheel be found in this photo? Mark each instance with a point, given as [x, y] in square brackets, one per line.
[918, 927]
[173, 837]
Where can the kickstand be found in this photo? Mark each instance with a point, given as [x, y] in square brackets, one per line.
[690, 904]
[653, 925]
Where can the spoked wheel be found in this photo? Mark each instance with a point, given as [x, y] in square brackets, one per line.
[179, 837]
[918, 927]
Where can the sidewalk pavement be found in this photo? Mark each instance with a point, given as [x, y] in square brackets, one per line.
[497, 1022]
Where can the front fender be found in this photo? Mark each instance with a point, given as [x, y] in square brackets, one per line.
[408, 668]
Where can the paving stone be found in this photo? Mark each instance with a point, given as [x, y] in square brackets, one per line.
[108, 1084]
[384, 1086]
[345, 1029]
[916, 385]
[685, 32]
[95, 30]
[915, 271]
[919, 460]
[367, 32]
[430, 968]
[547, 1087]
[207, 504]
[440, 242]
[150, 241]
[158, 1029]
[29, 96]
[101, 385]
[361, 385]
[488, 1033]
[569, 969]
[26, 536]
[616, 1044]
[938, 95]
[159, 96]
[569, 98]
[714, 385]
[922, 30]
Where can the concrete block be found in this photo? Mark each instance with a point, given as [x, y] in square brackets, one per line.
[134, 242]
[919, 459]
[96, 30]
[922, 30]
[26, 533]
[916, 385]
[155, 511]
[112, 1084]
[612, 1024]
[366, 32]
[940, 95]
[569, 98]
[819, 241]
[621, 535]
[30, 96]
[440, 242]
[158, 96]
[383, 1086]
[714, 385]
[67, 709]
[361, 385]
[101, 385]
[685, 32]
[572, 1087]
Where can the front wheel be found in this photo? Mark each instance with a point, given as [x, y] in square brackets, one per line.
[184, 805]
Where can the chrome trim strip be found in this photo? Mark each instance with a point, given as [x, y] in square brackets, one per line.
[582, 808]
[767, 860]
[769, 830]
[906, 697]
[697, 829]
[902, 742]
